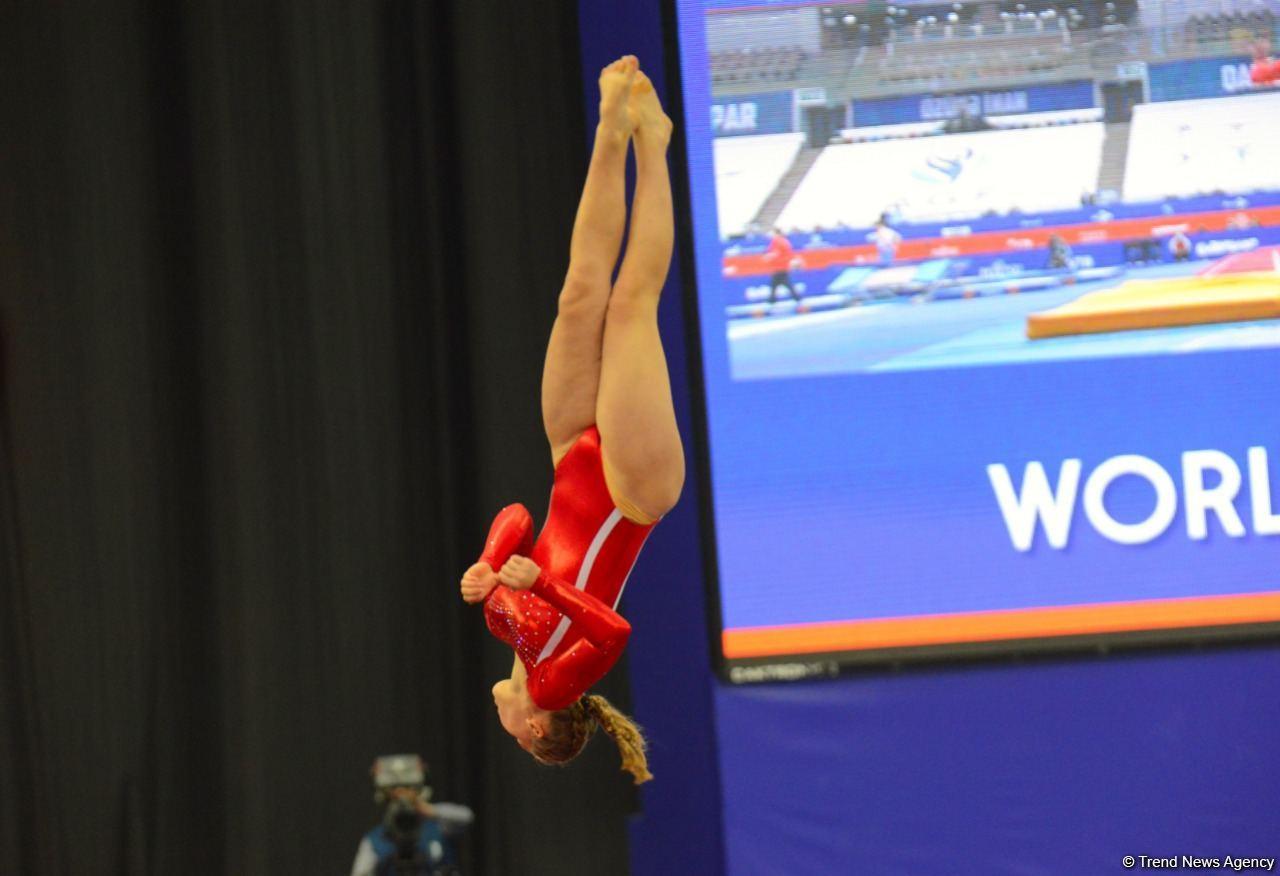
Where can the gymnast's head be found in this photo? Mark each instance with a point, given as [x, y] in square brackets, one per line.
[555, 738]
[518, 713]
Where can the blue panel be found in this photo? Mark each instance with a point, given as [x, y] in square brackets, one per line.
[1172, 208]
[1052, 769]
[744, 115]
[1211, 77]
[940, 107]
[920, 530]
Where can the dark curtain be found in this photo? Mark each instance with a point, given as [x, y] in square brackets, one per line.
[275, 283]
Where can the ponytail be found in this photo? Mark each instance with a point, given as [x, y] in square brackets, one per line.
[624, 733]
[569, 730]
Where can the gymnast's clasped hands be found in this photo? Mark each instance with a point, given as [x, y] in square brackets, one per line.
[518, 573]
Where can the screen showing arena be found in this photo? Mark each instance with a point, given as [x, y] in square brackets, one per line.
[989, 303]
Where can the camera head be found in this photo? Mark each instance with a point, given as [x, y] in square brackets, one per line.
[399, 786]
[393, 772]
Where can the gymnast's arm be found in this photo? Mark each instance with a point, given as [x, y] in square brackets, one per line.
[453, 818]
[511, 532]
[603, 627]
[558, 681]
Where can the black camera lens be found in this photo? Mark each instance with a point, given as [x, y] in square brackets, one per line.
[405, 821]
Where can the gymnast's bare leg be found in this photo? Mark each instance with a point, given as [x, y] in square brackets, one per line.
[571, 374]
[643, 456]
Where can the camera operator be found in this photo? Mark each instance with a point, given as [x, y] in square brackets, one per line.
[415, 836]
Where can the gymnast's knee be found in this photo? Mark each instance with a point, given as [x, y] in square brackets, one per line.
[646, 498]
[638, 300]
[669, 495]
[659, 495]
[583, 294]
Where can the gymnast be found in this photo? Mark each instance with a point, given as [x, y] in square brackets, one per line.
[1265, 69]
[619, 463]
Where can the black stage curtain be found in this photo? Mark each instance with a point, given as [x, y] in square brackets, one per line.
[276, 282]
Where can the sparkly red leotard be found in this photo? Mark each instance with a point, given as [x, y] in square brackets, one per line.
[565, 629]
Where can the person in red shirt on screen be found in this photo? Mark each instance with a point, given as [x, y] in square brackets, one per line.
[780, 256]
[1265, 69]
[619, 463]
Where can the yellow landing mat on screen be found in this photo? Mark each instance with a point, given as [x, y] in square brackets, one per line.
[1146, 304]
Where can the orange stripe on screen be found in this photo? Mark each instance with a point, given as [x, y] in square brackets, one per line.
[1030, 623]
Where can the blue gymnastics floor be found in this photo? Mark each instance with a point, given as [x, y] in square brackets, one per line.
[902, 335]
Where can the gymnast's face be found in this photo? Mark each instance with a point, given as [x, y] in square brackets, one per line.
[519, 716]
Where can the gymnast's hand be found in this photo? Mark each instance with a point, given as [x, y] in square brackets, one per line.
[477, 582]
[519, 573]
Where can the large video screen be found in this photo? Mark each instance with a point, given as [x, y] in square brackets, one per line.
[989, 304]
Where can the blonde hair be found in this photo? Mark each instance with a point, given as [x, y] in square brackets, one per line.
[570, 729]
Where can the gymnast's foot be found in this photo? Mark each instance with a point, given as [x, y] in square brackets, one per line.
[615, 87]
[652, 126]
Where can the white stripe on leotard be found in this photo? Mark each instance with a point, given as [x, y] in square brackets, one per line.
[602, 535]
[634, 560]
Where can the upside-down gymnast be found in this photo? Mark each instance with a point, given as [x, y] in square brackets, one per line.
[619, 463]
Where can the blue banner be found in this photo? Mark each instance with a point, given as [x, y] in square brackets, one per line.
[1210, 77]
[744, 115]
[1172, 208]
[1008, 788]
[1008, 265]
[941, 107]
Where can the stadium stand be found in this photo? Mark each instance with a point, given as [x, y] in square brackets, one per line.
[854, 24]
[943, 178]
[771, 64]
[748, 169]
[928, 48]
[1238, 29]
[1233, 146]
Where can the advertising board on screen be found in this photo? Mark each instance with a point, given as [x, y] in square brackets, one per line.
[989, 307]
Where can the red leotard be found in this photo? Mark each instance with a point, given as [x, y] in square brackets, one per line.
[780, 253]
[565, 629]
[1265, 71]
